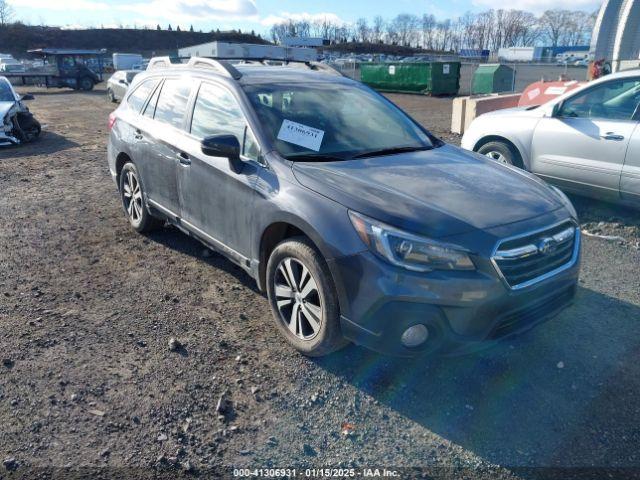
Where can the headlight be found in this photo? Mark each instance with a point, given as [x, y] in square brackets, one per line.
[407, 250]
[565, 201]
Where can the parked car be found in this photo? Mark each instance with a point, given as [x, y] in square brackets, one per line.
[118, 84]
[586, 141]
[18, 124]
[358, 223]
[8, 64]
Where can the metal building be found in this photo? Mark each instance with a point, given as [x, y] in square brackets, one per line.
[616, 35]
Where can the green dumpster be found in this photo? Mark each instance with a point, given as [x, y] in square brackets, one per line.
[433, 78]
[493, 78]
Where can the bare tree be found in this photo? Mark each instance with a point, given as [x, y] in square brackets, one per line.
[554, 24]
[428, 30]
[377, 30]
[362, 32]
[403, 29]
[491, 30]
[6, 13]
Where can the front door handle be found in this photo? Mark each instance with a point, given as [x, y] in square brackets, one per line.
[183, 158]
[138, 135]
[612, 136]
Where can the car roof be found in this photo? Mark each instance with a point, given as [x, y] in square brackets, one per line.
[248, 72]
[260, 74]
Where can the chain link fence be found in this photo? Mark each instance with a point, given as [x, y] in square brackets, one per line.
[524, 73]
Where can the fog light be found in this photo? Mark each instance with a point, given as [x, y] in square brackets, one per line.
[414, 336]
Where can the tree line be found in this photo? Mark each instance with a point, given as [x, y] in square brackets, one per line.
[491, 30]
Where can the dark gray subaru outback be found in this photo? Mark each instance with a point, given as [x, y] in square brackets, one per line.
[359, 224]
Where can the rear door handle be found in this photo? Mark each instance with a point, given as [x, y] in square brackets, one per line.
[183, 158]
[612, 136]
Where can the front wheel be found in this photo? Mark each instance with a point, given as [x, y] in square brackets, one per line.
[500, 152]
[133, 203]
[27, 128]
[303, 298]
[111, 96]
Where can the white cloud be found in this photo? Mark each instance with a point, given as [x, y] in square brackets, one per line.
[174, 10]
[61, 5]
[539, 6]
[296, 17]
[195, 10]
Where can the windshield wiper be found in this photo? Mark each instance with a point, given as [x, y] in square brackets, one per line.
[314, 157]
[390, 151]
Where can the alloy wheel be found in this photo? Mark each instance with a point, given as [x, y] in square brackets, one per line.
[132, 196]
[499, 157]
[298, 299]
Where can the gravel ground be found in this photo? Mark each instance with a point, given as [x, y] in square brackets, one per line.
[88, 379]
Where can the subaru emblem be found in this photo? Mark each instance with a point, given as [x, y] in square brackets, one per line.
[546, 245]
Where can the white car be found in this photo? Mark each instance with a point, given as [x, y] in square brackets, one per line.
[586, 141]
[8, 64]
[118, 84]
[17, 124]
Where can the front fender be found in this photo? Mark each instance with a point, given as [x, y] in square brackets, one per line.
[518, 130]
[282, 200]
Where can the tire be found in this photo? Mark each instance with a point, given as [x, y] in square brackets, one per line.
[86, 84]
[315, 330]
[111, 96]
[501, 152]
[132, 196]
[28, 129]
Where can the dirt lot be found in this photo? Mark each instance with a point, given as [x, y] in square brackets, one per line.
[87, 380]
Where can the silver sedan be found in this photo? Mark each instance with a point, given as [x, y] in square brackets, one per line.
[586, 141]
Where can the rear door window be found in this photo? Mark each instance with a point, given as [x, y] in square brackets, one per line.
[139, 96]
[173, 100]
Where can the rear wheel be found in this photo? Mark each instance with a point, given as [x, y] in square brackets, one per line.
[501, 152]
[133, 203]
[303, 298]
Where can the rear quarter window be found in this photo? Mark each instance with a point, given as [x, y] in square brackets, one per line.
[139, 96]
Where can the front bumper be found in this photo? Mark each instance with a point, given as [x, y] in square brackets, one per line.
[464, 311]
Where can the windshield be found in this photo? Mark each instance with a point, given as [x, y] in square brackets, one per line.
[6, 93]
[329, 121]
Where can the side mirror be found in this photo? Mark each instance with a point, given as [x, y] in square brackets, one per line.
[123, 81]
[222, 146]
[26, 97]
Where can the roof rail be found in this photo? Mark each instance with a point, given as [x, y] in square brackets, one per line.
[220, 65]
[163, 62]
[225, 67]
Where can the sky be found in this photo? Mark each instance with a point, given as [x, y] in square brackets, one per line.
[257, 15]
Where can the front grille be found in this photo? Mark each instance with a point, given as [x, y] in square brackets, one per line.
[530, 258]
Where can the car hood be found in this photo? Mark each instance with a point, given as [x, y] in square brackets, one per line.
[5, 107]
[440, 192]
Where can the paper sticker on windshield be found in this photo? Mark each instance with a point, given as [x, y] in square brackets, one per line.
[302, 135]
